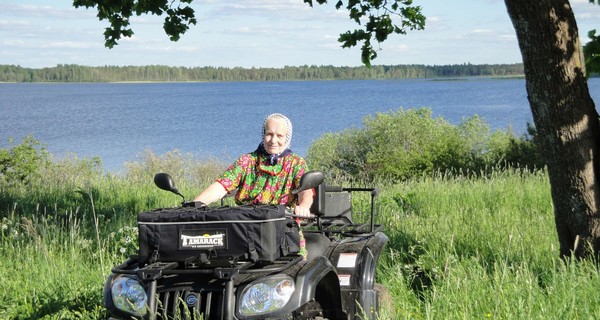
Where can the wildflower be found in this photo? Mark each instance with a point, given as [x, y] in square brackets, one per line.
[122, 250]
[84, 243]
[4, 226]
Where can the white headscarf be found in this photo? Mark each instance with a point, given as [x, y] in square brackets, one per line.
[288, 135]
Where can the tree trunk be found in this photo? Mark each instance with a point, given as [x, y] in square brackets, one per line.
[565, 118]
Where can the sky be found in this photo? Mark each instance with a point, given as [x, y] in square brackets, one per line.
[261, 33]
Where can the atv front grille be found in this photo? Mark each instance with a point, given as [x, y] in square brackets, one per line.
[190, 304]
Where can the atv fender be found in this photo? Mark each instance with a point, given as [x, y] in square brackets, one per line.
[318, 290]
[356, 261]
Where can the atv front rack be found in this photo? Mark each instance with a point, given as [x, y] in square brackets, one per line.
[219, 296]
[158, 269]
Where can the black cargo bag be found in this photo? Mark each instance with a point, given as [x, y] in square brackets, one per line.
[199, 235]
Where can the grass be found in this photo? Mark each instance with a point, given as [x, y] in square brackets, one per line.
[481, 248]
[460, 248]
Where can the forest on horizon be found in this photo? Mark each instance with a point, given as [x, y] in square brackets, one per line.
[78, 73]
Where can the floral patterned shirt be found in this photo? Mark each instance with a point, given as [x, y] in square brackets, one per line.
[258, 182]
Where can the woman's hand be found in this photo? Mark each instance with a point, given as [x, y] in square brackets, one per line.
[302, 211]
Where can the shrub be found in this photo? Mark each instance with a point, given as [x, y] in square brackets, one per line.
[341, 154]
[475, 137]
[21, 162]
[407, 143]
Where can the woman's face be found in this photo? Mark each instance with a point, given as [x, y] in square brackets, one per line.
[275, 134]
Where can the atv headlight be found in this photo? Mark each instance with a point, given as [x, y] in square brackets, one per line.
[266, 295]
[128, 295]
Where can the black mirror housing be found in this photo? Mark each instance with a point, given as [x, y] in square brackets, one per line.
[310, 180]
[165, 182]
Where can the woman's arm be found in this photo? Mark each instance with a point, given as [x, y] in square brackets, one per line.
[305, 200]
[212, 193]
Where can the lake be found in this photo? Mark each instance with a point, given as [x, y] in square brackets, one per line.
[119, 121]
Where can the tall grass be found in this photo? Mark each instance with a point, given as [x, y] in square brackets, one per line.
[63, 231]
[460, 248]
[480, 248]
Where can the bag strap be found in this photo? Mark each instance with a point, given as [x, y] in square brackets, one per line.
[252, 253]
[155, 255]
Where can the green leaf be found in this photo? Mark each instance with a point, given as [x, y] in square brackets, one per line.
[380, 18]
[384, 18]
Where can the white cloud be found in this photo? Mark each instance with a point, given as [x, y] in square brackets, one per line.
[482, 31]
[44, 11]
[268, 32]
[66, 45]
[508, 37]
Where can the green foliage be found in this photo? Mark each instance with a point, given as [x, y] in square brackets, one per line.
[123, 242]
[60, 236]
[377, 19]
[78, 188]
[341, 153]
[376, 16]
[76, 73]
[506, 150]
[460, 247]
[463, 248]
[178, 16]
[408, 143]
[591, 51]
[20, 163]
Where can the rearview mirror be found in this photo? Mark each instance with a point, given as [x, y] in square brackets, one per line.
[165, 182]
[310, 180]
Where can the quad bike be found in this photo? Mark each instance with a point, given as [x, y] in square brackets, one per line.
[251, 274]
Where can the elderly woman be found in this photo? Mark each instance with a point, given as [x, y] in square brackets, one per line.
[268, 175]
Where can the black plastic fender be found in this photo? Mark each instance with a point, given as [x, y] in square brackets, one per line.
[355, 260]
[318, 282]
[107, 293]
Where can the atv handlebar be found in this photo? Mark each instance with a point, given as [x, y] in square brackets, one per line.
[288, 211]
[291, 215]
[193, 204]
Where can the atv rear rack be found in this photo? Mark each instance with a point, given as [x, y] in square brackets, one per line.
[333, 212]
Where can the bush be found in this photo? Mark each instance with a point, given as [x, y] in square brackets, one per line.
[341, 154]
[407, 143]
[20, 163]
